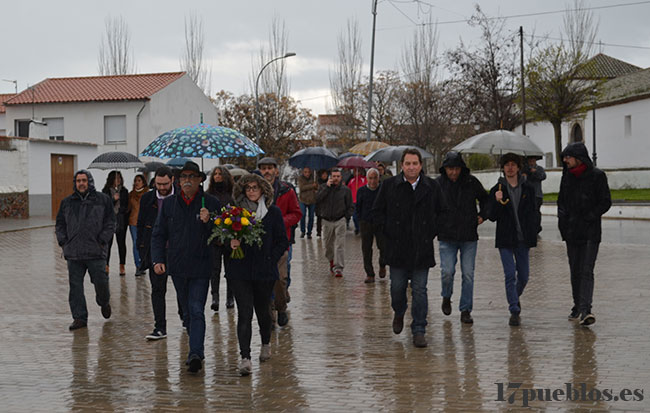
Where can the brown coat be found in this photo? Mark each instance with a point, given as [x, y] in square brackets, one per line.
[307, 188]
[134, 204]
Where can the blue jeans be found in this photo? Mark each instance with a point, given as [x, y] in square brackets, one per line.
[133, 229]
[448, 255]
[310, 220]
[98, 277]
[193, 292]
[516, 270]
[399, 278]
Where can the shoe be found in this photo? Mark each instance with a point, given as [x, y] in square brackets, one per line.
[338, 274]
[288, 296]
[107, 268]
[194, 364]
[446, 305]
[575, 315]
[283, 319]
[215, 305]
[77, 324]
[419, 341]
[122, 270]
[230, 303]
[106, 311]
[308, 236]
[466, 317]
[382, 272]
[245, 367]
[302, 235]
[587, 319]
[356, 232]
[515, 320]
[332, 266]
[369, 280]
[265, 352]
[156, 335]
[398, 323]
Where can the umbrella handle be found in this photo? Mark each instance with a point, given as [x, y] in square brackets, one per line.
[502, 202]
[202, 202]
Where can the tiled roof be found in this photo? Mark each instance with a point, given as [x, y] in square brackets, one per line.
[96, 88]
[602, 66]
[630, 87]
[4, 97]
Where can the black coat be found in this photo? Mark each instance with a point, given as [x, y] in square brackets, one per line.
[504, 215]
[582, 200]
[365, 200]
[408, 220]
[179, 237]
[122, 216]
[146, 221]
[459, 220]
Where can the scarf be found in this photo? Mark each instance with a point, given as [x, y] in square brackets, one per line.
[116, 204]
[258, 207]
[578, 170]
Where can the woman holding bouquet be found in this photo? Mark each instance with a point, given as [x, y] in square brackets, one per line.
[252, 277]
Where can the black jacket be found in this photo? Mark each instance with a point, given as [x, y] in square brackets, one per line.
[504, 215]
[122, 216]
[582, 200]
[408, 220]
[179, 237]
[146, 221]
[334, 202]
[365, 200]
[85, 223]
[459, 220]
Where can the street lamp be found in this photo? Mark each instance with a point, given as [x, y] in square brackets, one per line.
[257, 99]
[593, 115]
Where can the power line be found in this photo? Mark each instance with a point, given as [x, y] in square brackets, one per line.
[532, 36]
[404, 14]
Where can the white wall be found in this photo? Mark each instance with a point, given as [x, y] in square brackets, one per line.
[3, 128]
[15, 163]
[40, 180]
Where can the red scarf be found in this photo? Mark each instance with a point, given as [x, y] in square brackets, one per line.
[187, 200]
[578, 170]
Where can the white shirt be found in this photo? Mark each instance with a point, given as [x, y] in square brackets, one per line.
[414, 184]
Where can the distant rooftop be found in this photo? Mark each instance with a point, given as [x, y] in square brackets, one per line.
[4, 97]
[633, 86]
[602, 66]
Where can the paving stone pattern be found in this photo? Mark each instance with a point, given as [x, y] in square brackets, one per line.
[338, 352]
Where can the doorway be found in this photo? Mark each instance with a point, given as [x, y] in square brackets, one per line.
[62, 167]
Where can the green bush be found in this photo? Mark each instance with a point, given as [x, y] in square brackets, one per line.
[479, 161]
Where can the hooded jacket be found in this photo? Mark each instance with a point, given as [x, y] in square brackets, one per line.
[85, 223]
[286, 199]
[582, 200]
[459, 220]
[259, 263]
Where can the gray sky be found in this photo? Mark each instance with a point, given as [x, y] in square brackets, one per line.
[43, 38]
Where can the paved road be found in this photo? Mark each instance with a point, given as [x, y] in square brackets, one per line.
[338, 352]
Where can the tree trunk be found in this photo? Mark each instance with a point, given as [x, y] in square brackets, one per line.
[557, 129]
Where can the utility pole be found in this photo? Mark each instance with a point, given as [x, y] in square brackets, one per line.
[372, 64]
[523, 84]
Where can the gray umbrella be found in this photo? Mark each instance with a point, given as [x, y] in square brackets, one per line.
[116, 160]
[499, 142]
[393, 153]
[151, 167]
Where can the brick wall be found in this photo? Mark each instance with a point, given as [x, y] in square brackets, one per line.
[14, 205]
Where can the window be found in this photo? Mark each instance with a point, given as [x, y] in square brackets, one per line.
[115, 129]
[576, 133]
[54, 128]
[22, 128]
[628, 126]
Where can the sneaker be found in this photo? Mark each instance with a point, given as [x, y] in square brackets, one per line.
[398, 323]
[139, 273]
[382, 272]
[515, 320]
[446, 305]
[230, 303]
[338, 274]
[369, 279]
[587, 319]
[575, 315]
[419, 341]
[356, 232]
[194, 364]
[106, 311]
[283, 319]
[308, 236]
[156, 335]
[245, 367]
[331, 266]
[302, 235]
[215, 305]
[466, 317]
[265, 352]
[77, 324]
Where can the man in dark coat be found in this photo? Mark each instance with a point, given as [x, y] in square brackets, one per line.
[365, 200]
[84, 227]
[584, 197]
[406, 207]
[179, 247]
[512, 206]
[150, 205]
[457, 230]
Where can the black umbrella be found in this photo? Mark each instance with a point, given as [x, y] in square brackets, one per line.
[116, 160]
[151, 167]
[394, 153]
[315, 157]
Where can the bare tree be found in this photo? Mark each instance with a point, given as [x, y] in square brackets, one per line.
[192, 59]
[345, 80]
[273, 79]
[581, 30]
[115, 54]
[420, 56]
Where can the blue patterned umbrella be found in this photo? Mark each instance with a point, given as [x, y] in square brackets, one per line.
[201, 141]
[177, 162]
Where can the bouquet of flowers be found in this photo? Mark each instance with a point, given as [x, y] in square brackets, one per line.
[236, 223]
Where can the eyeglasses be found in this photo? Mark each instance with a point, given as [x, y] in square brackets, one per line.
[188, 176]
[252, 188]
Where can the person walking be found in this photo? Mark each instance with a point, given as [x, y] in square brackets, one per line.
[323, 176]
[335, 205]
[406, 208]
[84, 228]
[369, 230]
[535, 174]
[307, 186]
[139, 189]
[150, 207]
[358, 181]
[114, 188]
[512, 206]
[221, 185]
[179, 247]
[583, 199]
[253, 277]
[457, 230]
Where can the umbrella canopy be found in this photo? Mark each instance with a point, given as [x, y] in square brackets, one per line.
[315, 157]
[177, 162]
[150, 167]
[393, 153]
[355, 162]
[499, 142]
[201, 141]
[365, 148]
[347, 155]
[238, 171]
[116, 160]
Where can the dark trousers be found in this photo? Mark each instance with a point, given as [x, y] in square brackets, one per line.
[158, 292]
[368, 232]
[582, 259]
[99, 278]
[249, 295]
[192, 293]
[217, 258]
[538, 204]
[120, 236]
[319, 226]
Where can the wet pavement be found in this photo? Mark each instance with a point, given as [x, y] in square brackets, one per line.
[338, 352]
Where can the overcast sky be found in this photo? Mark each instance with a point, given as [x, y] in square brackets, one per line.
[45, 38]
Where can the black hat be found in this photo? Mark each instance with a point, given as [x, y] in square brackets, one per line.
[511, 157]
[267, 161]
[193, 167]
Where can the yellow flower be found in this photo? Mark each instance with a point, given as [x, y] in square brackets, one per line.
[227, 221]
[217, 221]
[246, 213]
[244, 221]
